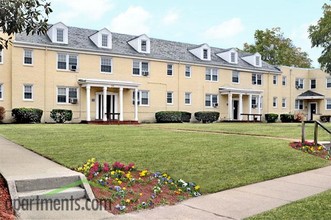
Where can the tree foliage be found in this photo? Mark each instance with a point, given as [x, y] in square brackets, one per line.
[320, 36]
[277, 50]
[16, 16]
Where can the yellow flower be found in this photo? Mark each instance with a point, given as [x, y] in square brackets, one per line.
[124, 188]
[197, 187]
[143, 173]
[140, 194]
[112, 172]
[179, 190]
[120, 182]
[128, 201]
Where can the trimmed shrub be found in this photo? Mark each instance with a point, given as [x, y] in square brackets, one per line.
[325, 118]
[299, 116]
[61, 115]
[207, 117]
[271, 117]
[2, 113]
[172, 117]
[27, 115]
[286, 117]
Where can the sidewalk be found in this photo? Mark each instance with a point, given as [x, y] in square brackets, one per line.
[17, 162]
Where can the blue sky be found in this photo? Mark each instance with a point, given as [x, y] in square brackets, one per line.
[220, 23]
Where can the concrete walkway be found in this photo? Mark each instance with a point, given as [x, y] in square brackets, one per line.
[17, 162]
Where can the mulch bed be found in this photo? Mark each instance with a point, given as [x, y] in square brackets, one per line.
[6, 211]
[310, 148]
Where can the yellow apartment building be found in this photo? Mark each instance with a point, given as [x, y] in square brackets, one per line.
[101, 75]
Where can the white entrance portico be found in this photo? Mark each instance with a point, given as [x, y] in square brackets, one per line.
[109, 105]
[236, 104]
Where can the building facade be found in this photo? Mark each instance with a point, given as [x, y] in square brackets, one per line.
[101, 75]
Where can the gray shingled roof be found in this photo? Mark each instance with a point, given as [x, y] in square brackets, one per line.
[160, 49]
[310, 93]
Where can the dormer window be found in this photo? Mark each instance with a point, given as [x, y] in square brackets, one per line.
[104, 40]
[205, 54]
[59, 35]
[230, 56]
[202, 52]
[254, 59]
[144, 45]
[233, 57]
[257, 61]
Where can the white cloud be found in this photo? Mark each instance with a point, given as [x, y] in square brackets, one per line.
[225, 30]
[67, 10]
[133, 21]
[171, 17]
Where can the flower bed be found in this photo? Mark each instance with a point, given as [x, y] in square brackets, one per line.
[309, 147]
[6, 211]
[128, 189]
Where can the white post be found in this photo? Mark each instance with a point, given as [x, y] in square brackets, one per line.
[240, 106]
[121, 104]
[230, 108]
[259, 105]
[104, 117]
[136, 104]
[250, 106]
[88, 100]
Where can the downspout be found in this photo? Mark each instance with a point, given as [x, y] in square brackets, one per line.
[45, 81]
[178, 85]
[291, 90]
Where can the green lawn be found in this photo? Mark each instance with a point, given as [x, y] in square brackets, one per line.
[214, 161]
[284, 130]
[315, 207]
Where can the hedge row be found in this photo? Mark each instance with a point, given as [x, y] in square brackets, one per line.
[325, 118]
[27, 115]
[61, 115]
[179, 116]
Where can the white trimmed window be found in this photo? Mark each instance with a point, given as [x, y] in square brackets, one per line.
[257, 60]
[328, 83]
[64, 94]
[275, 79]
[188, 71]
[284, 80]
[205, 54]
[254, 101]
[1, 91]
[187, 98]
[104, 40]
[140, 68]
[1, 56]
[169, 69]
[256, 79]
[233, 57]
[211, 74]
[211, 100]
[28, 92]
[235, 76]
[60, 35]
[299, 83]
[298, 105]
[170, 98]
[144, 45]
[313, 84]
[274, 102]
[143, 97]
[28, 57]
[105, 64]
[328, 104]
[283, 102]
[67, 61]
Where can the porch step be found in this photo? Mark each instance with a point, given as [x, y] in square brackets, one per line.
[33, 197]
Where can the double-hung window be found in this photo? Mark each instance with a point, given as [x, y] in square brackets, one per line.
[205, 54]
[274, 102]
[67, 61]
[283, 102]
[256, 79]
[211, 100]
[188, 98]
[328, 83]
[28, 57]
[188, 71]
[1, 91]
[313, 84]
[275, 79]
[144, 45]
[105, 64]
[64, 94]
[211, 74]
[104, 40]
[28, 92]
[328, 104]
[170, 98]
[140, 68]
[143, 97]
[254, 101]
[299, 83]
[235, 76]
[59, 35]
[284, 80]
[298, 104]
[169, 69]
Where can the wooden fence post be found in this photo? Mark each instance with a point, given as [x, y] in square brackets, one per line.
[303, 132]
[315, 133]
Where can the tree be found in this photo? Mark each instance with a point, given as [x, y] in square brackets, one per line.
[320, 36]
[16, 16]
[277, 50]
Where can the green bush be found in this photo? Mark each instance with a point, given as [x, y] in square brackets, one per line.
[286, 117]
[27, 115]
[325, 118]
[61, 115]
[271, 117]
[2, 113]
[207, 117]
[172, 117]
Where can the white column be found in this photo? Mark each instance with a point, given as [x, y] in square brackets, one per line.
[230, 108]
[121, 104]
[88, 104]
[250, 105]
[240, 106]
[259, 105]
[136, 104]
[104, 117]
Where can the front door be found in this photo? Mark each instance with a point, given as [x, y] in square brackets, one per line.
[312, 110]
[235, 109]
[110, 109]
